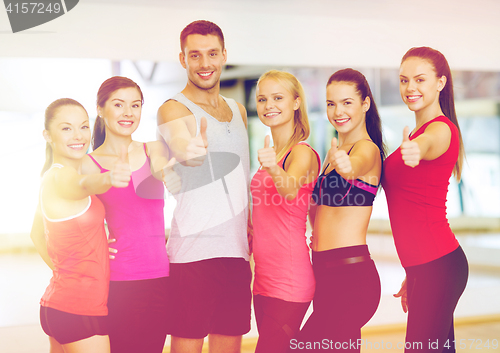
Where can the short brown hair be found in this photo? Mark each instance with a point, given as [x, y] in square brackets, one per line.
[201, 27]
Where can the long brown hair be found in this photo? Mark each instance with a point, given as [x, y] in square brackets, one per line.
[301, 129]
[446, 97]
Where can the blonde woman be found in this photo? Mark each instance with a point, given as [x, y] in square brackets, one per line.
[281, 191]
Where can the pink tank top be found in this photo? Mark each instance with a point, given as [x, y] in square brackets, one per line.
[78, 249]
[282, 264]
[134, 216]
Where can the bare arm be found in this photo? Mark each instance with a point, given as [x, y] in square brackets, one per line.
[359, 162]
[158, 156]
[38, 237]
[428, 146]
[69, 185]
[162, 166]
[243, 113]
[177, 126]
[302, 168]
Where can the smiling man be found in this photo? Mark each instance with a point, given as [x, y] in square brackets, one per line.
[208, 247]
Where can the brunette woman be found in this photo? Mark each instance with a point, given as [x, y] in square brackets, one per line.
[138, 290]
[73, 309]
[347, 282]
[416, 179]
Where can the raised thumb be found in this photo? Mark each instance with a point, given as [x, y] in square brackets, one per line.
[267, 140]
[406, 134]
[203, 130]
[334, 145]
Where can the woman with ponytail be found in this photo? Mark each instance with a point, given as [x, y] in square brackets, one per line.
[138, 290]
[281, 191]
[347, 282]
[416, 179]
[69, 234]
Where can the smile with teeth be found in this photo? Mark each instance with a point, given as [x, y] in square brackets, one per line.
[271, 114]
[205, 74]
[77, 146]
[342, 120]
[413, 98]
[125, 123]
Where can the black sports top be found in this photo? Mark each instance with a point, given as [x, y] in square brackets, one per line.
[333, 190]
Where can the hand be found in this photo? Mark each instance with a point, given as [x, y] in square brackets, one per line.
[267, 156]
[171, 179]
[120, 174]
[311, 240]
[410, 152]
[111, 250]
[403, 293]
[196, 150]
[339, 159]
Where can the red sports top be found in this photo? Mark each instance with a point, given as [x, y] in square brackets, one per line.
[283, 267]
[416, 198]
[78, 248]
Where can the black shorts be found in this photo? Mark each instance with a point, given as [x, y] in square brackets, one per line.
[211, 296]
[67, 328]
[138, 318]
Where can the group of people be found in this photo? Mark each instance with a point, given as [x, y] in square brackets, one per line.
[128, 295]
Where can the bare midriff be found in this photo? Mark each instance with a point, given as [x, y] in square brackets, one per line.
[338, 227]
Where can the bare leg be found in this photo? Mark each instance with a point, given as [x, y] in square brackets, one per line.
[186, 345]
[55, 347]
[224, 344]
[94, 344]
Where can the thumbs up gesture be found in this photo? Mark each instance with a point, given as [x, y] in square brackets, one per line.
[121, 173]
[171, 179]
[196, 149]
[267, 156]
[339, 159]
[410, 152]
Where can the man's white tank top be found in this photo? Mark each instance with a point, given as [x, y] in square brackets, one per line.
[210, 219]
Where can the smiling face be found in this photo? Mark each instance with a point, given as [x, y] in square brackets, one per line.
[418, 84]
[345, 109]
[275, 104]
[122, 111]
[69, 132]
[203, 58]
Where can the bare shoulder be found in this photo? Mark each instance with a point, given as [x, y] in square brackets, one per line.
[154, 147]
[171, 110]
[439, 129]
[59, 176]
[302, 153]
[366, 149]
[243, 113]
[89, 166]
[155, 144]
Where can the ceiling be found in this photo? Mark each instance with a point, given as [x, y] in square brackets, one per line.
[357, 33]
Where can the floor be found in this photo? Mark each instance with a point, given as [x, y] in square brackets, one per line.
[24, 276]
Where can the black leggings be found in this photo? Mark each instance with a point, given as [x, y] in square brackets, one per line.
[347, 295]
[278, 321]
[433, 292]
